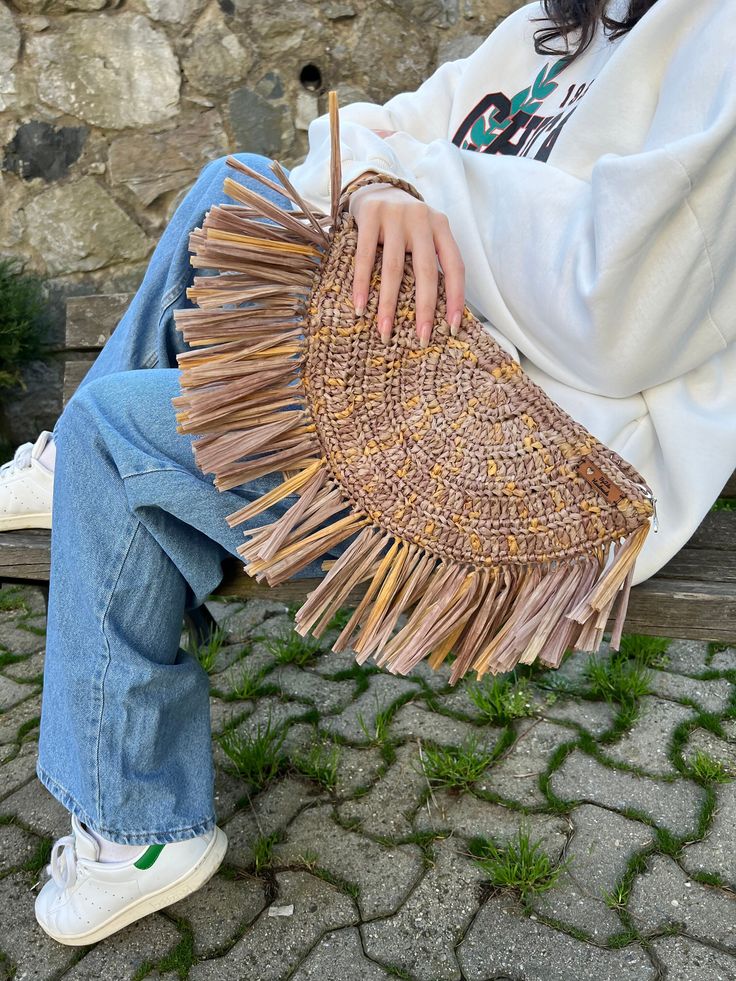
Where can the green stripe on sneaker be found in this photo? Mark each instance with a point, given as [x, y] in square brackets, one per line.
[149, 856]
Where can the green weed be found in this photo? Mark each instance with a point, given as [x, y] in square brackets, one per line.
[500, 700]
[455, 767]
[520, 864]
[705, 769]
[257, 757]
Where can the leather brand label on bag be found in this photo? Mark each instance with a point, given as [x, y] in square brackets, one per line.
[596, 478]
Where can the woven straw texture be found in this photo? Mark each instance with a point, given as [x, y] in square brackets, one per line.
[490, 524]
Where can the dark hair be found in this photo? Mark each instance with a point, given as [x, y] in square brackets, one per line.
[569, 15]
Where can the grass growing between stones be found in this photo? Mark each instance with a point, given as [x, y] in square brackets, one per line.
[263, 850]
[500, 700]
[249, 685]
[206, 653]
[320, 764]
[178, 961]
[455, 767]
[257, 757]
[289, 647]
[521, 864]
[645, 650]
[618, 680]
[705, 769]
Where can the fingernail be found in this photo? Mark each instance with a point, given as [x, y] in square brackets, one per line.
[384, 328]
[455, 323]
[359, 305]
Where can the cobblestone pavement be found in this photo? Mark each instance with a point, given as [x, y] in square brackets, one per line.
[394, 811]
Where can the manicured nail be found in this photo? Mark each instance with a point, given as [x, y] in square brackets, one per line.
[455, 323]
[359, 305]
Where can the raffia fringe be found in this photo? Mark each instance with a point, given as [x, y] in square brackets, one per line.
[243, 396]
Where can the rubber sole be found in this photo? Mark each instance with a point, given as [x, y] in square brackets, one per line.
[192, 880]
[17, 521]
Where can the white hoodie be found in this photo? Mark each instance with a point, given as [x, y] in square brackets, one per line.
[597, 228]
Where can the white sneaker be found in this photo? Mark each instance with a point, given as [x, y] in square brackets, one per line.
[86, 900]
[26, 488]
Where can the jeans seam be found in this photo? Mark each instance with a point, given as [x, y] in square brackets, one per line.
[101, 684]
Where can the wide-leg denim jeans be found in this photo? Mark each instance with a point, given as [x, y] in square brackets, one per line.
[138, 536]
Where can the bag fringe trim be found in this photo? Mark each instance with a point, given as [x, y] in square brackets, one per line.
[243, 397]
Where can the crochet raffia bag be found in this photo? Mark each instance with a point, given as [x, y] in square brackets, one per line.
[481, 510]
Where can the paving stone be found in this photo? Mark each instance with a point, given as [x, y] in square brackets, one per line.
[716, 852]
[18, 770]
[11, 692]
[19, 640]
[28, 669]
[223, 713]
[253, 664]
[300, 737]
[220, 911]
[515, 776]
[723, 751]
[470, 817]
[687, 656]
[724, 660]
[38, 810]
[122, 955]
[29, 596]
[713, 696]
[599, 852]
[595, 717]
[16, 847]
[572, 671]
[663, 896]
[228, 655]
[672, 804]
[274, 945]
[434, 678]
[356, 768]
[271, 811]
[384, 690]
[383, 874]
[326, 696]
[242, 620]
[647, 743]
[413, 721]
[34, 953]
[687, 960]
[339, 955]
[271, 710]
[421, 937]
[387, 808]
[504, 943]
[331, 662]
[19, 715]
[230, 792]
[459, 702]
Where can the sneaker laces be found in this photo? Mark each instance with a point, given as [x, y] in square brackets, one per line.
[63, 865]
[21, 460]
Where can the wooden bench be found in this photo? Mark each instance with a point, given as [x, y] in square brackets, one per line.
[692, 597]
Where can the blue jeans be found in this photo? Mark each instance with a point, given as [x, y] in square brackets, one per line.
[138, 536]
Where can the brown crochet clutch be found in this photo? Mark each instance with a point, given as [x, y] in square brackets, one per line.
[500, 528]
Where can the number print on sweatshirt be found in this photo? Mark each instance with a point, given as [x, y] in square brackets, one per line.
[499, 124]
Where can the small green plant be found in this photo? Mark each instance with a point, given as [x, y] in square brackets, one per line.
[378, 732]
[646, 651]
[11, 598]
[618, 897]
[707, 770]
[455, 766]
[501, 699]
[206, 653]
[520, 864]
[289, 647]
[23, 322]
[263, 851]
[340, 619]
[320, 763]
[724, 504]
[618, 680]
[257, 757]
[248, 685]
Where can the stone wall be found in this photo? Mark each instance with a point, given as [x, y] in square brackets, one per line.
[109, 110]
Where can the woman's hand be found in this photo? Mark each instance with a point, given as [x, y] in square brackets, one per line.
[402, 223]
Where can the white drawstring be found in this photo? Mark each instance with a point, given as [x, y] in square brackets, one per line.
[63, 865]
[21, 460]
